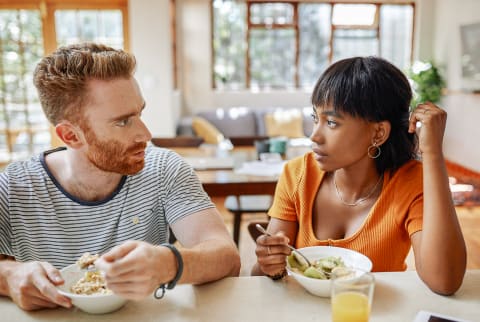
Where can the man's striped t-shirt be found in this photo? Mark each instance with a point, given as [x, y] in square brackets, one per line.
[39, 220]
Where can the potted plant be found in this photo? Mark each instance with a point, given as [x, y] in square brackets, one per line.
[426, 81]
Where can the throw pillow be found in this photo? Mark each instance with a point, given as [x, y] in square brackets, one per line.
[287, 123]
[206, 130]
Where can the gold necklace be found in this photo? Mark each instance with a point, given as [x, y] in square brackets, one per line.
[359, 201]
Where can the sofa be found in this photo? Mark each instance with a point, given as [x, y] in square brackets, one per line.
[243, 122]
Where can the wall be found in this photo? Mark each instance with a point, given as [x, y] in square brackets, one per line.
[150, 40]
[424, 29]
[460, 143]
[449, 15]
[193, 38]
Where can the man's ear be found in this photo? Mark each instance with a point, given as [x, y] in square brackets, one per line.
[70, 134]
[382, 132]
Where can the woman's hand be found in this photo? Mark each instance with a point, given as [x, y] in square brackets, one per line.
[440, 252]
[433, 120]
[271, 252]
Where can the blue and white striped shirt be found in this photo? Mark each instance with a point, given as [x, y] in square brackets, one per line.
[39, 220]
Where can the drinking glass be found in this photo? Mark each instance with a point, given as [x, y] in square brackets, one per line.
[351, 295]
[278, 145]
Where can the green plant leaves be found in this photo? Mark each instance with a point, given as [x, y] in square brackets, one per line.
[426, 81]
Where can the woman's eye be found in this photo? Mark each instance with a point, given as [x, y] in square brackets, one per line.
[314, 117]
[331, 123]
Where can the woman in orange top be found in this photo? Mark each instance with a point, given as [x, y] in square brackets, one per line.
[362, 187]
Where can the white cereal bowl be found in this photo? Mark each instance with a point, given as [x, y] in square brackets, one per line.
[94, 304]
[320, 287]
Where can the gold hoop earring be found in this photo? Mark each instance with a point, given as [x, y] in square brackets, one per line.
[377, 153]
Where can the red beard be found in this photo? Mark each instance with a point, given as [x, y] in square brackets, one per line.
[112, 156]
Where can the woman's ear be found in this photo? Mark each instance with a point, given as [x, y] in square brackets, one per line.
[382, 132]
[70, 134]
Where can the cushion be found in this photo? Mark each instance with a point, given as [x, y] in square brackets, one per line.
[232, 122]
[206, 130]
[260, 119]
[287, 123]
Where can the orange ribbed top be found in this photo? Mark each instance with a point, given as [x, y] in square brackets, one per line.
[385, 234]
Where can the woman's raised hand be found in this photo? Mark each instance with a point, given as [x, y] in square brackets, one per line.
[433, 121]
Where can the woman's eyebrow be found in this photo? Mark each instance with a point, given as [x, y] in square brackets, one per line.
[331, 113]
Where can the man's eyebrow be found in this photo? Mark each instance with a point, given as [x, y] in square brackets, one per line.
[124, 116]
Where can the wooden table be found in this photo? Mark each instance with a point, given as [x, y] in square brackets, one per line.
[225, 182]
[398, 297]
[222, 183]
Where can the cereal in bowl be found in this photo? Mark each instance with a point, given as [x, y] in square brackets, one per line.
[93, 282]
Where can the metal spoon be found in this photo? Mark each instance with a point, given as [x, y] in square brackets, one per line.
[262, 230]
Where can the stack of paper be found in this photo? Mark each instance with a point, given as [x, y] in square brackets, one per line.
[259, 168]
[203, 163]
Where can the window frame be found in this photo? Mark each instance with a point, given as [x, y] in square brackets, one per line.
[263, 26]
[47, 10]
[295, 26]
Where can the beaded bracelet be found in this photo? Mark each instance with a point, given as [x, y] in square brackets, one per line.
[173, 282]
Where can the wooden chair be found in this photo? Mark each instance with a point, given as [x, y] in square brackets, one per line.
[244, 204]
[239, 205]
[177, 142]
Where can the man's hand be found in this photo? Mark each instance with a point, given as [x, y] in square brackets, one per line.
[32, 285]
[135, 269]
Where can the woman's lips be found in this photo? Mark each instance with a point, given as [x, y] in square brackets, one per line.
[319, 155]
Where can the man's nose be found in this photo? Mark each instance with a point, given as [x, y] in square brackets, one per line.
[144, 134]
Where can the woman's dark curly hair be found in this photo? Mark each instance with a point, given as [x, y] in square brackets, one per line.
[372, 89]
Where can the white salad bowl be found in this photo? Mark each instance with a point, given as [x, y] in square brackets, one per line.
[321, 287]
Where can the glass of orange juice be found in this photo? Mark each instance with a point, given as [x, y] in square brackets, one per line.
[352, 294]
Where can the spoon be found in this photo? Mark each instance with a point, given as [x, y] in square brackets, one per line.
[293, 249]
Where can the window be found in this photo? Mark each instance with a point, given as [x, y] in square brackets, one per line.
[28, 31]
[23, 127]
[229, 32]
[103, 26]
[288, 44]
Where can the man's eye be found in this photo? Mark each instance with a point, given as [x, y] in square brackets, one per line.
[123, 122]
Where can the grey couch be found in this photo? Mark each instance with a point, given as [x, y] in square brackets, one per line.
[242, 121]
